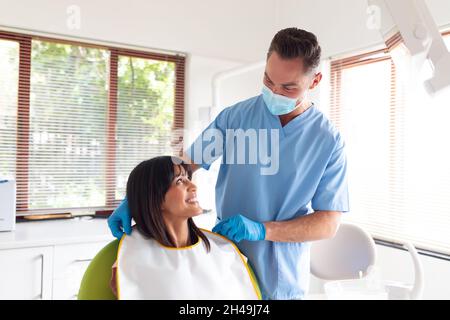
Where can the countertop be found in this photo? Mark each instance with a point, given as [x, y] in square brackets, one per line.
[47, 233]
[69, 231]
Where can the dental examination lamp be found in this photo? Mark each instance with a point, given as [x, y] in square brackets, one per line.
[420, 35]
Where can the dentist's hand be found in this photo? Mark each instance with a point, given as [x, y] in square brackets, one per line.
[120, 219]
[238, 228]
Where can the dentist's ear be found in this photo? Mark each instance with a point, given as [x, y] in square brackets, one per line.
[316, 80]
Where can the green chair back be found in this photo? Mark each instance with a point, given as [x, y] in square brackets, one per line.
[96, 279]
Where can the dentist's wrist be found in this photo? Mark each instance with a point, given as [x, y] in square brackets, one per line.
[263, 231]
[268, 230]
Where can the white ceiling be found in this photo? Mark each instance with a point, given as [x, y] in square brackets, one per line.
[237, 30]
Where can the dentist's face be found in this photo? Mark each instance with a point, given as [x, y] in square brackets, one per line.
[180, 200]
[287, 77]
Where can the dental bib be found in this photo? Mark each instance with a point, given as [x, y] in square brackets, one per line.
[148, 270]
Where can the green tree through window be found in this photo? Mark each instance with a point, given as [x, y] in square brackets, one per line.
[145, 113]
[70, 119]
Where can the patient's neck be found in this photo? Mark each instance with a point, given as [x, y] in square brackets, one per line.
[179, 231]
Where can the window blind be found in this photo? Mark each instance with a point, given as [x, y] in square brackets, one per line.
[68, 109]
[76, 118]
[9, 75]
[399, 173]
[144, 113]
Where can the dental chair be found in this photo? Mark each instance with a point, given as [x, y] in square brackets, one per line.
[95, 282]
[351, 254]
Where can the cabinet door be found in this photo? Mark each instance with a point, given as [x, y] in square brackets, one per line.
[26, 273]
[71, 261]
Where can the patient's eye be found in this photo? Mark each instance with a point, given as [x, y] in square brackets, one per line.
[182, 180]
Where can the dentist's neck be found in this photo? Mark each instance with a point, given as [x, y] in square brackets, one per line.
[301, 108]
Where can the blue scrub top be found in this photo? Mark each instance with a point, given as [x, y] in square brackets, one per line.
[312, 176]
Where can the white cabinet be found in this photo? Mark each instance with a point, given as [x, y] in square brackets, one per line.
[70, 263]
[47, 259]
[26, 273]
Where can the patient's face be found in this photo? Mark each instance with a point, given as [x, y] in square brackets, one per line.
[181, 199]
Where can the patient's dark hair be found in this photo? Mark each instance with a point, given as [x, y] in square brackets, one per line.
[147, 186]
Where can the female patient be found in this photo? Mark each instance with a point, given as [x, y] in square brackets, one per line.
[167, 256]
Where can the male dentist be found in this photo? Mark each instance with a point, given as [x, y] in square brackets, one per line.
[273, 213]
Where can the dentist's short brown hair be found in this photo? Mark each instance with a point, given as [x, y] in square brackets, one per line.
[293, 43]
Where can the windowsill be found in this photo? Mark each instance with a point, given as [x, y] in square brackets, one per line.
[428, 253]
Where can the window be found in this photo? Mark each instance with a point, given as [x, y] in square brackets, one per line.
[76, 118]
[9, 75]
[145, 104]
[399, 172]
[68, 107]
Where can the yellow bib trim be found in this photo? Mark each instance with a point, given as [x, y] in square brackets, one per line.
[249, 271]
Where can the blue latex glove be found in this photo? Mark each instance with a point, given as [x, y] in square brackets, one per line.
[120, 219]
[238, 228]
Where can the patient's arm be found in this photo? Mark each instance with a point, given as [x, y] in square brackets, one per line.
[112, 282]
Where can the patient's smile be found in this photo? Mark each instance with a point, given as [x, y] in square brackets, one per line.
[192, 200]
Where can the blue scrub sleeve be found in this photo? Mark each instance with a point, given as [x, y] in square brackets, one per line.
[332, 191]
[209, 145]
